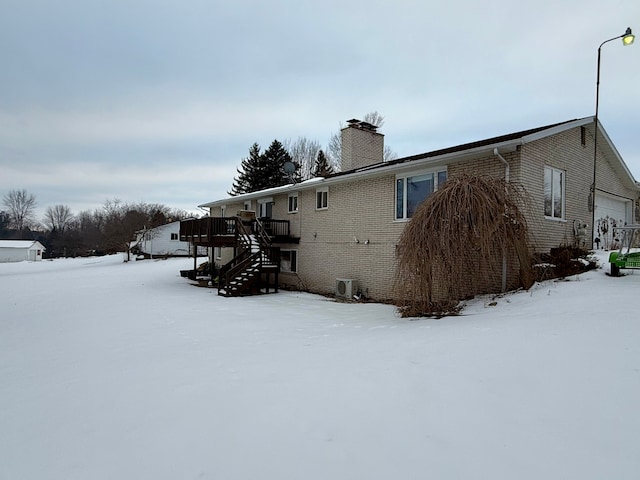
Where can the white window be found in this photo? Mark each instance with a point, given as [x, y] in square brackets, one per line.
[223, 208]
[322, 199]
[293, 202]
[265, 207]
[412, 189]
[289, 261]
[247, 205]
[554, 193]
[174, 236]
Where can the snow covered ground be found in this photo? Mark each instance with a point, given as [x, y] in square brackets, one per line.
[112, 370]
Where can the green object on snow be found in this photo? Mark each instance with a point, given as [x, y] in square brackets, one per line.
[624, 257]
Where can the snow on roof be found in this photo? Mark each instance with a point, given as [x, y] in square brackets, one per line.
[19, 243]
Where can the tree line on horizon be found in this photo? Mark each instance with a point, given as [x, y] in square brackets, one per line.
[106, 230]
[111, 228]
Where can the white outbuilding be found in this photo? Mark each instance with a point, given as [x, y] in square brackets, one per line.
[20, 251]
[163, 241]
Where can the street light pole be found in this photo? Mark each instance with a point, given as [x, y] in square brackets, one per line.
[627, 39]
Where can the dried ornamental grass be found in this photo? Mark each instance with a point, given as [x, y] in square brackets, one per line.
[454, 245]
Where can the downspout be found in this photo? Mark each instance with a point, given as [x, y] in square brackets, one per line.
[506, 164]
[504, 255]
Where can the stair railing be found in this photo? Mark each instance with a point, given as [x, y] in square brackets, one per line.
[261, 234]
[233, 273]
[246, 258]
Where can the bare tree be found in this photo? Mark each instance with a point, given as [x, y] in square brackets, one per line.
[388, 154]
[303, 152]
[333, 152]
[21, 206]
[334, 148]
[374, 118]
[89, 227]
[122, 221]
[58, 217]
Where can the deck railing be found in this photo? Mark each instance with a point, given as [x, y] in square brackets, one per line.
[201, 230]
[276, 228]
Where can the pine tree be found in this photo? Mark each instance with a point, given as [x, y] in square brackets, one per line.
[248, 172]
[263, 170]
[322, 167]
[274, 159]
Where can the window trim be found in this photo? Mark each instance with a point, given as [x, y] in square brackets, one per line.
[324, 198]
[563, 190]
[291, 197]
[404, 176]
[265, 207]
[174, 236]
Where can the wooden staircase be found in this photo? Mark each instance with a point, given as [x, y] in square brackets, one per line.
[256, 263]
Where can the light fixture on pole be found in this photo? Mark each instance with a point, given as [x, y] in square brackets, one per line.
[627, 39]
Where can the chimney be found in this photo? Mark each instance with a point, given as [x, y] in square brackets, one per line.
[361, 145]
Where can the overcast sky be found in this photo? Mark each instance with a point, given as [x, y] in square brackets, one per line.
[156, 101]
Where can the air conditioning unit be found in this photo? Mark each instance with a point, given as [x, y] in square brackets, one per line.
[346, 288]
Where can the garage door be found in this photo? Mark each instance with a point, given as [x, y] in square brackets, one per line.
[610, 212]
[614, 208]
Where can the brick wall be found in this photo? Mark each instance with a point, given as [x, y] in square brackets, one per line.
[566, 152]
[354, 237]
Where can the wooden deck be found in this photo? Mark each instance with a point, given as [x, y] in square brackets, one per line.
[223, 231]
[256, 263]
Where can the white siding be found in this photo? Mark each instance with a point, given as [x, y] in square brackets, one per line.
[20, 251]
[158, 241]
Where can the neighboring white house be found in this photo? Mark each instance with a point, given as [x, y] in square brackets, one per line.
[163, 241]
[20, 251]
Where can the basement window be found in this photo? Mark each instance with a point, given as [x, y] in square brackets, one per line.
[289, 261]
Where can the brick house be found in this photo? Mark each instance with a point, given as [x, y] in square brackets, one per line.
[337, 235]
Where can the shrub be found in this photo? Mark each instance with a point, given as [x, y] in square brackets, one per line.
[454, 246]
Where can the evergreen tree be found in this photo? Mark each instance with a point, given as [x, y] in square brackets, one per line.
[262, 171]
[248, 172]
[273, 174]
[5, 221]
[322, 167]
